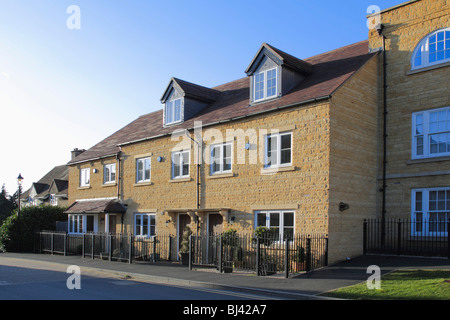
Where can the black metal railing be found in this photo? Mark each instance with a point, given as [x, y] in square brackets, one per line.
[263, 255]
[109, 246]
[407, 237]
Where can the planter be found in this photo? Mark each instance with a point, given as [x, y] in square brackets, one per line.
[268, 268]
[184, 257]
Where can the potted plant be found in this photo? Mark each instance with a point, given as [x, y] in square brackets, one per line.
[298, 264]
[184, 246]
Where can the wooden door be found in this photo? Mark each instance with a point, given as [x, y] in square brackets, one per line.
[215, 225]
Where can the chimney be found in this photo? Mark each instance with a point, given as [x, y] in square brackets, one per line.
[76, 152]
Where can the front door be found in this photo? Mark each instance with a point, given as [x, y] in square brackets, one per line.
[112, 224]
[215, 224]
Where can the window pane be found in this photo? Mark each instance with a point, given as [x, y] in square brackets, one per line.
[169, 112]
[144, 225]
[185, 156]
[261, 220]
[419, 145]
[433, 57]
[285, 156]
[271, 82]
[286, 141]
[176, 170]
[418, 201]
[89, 224]
[285, 149]
[272, 150]
[288, 219]
[107, 174]
[227, 157]
[112, 172]
[147, 169]
[177, 112]
[259, 86]
[80, 224]
[274, 219]
[137, 225]
[140, 170]
[418, 222]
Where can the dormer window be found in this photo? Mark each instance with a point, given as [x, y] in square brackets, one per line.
[273, 73]
[434, 49]
[265, 84]
[173, 111]
[182, 100]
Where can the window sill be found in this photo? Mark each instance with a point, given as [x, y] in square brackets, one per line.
[427, 160]
[437, 66]
[265, 100]
[221, 175]
[180, 180]
[84, 187]
[141, 184]
[267, 171]
[111, 184]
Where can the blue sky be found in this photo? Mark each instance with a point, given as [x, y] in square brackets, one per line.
[62, 89]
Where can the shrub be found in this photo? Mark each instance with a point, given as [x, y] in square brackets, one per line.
[267, 236]
[184, 248]
[17, 233]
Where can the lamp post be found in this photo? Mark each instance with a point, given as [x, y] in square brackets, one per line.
[19, 183]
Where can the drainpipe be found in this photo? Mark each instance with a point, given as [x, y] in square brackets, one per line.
[198, 175]
[380, 28]
[119, 153]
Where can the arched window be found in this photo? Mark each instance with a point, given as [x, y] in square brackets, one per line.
[432, 50]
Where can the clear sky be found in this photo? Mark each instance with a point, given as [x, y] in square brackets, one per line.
[63, 88]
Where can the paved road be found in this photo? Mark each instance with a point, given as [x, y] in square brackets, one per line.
[46, 281]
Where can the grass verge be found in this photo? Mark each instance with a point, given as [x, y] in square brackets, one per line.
[402, 285]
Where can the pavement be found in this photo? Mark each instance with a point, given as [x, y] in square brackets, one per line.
[307, 286]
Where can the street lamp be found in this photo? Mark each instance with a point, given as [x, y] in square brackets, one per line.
[19, 183]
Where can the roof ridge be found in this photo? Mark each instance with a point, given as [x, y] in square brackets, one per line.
[338, 49]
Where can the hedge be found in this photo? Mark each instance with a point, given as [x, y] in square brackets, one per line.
[17, 233]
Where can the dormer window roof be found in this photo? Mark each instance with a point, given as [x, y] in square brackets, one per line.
[274, 72]
[182, 100]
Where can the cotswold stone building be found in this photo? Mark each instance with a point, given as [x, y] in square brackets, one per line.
[297, 144]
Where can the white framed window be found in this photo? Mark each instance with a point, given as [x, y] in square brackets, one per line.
[109, 173]
[145, 224]
[173, 111]
[281, 220]
[85, 177]
[143, 170]
[431, 133]
[278, 150]
[53, 200]
[265, 84]
[221, 158]
[434, 49]
[180, 164]
[430, 211]
[78, 223]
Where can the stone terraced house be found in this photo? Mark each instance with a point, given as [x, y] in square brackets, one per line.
[312, 145]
